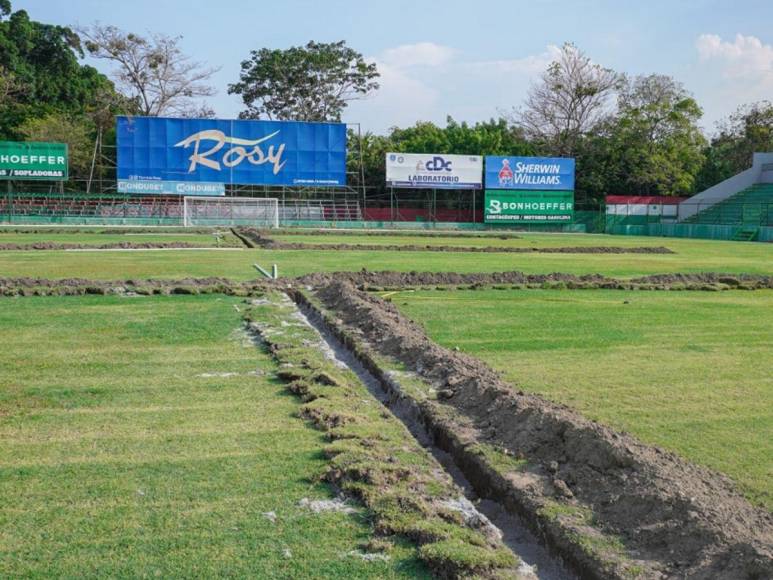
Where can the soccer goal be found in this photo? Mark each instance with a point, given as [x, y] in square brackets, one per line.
[259, 212]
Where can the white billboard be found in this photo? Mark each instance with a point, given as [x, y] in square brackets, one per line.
[434, 171]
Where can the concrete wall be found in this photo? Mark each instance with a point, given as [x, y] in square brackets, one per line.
[761, 171]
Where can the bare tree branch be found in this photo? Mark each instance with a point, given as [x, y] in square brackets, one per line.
[153, 72]
[571, 99]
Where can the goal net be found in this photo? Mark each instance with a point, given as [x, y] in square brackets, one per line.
[259, 212]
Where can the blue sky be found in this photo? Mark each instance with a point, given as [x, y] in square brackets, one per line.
[467, 59]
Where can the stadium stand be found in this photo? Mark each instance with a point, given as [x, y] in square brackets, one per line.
[752, 205]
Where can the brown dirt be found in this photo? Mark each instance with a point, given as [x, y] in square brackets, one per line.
[260, 240]
[110, 246]
[675, 519]
[79, 286]
[368, 280]
[502, 235]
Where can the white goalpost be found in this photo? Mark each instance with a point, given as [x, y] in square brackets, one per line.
[260, 212]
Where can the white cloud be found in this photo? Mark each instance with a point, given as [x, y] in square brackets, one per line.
[730, 73]
[419, 54]
[746, 56]
[427, 81]
[531, 65]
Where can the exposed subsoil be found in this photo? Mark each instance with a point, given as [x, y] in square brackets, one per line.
[109, 246]
[260, 240]
[80, 286]
[675, 519]
[367, 280]
[539, 564]
[503, 235]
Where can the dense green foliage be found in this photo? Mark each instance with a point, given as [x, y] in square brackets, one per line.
[47, 94]
[748, 130]
[42, 61]
[307, 83]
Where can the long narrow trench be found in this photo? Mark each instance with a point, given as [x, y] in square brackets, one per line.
[537, 561]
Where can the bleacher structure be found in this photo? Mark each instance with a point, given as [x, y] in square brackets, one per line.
[751, 207]
[738, 208]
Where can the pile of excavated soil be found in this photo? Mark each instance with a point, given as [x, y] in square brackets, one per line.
[79, 286]
[365, 279]
[677, 519]
[109, 246]
[396, 233]
[260, 240]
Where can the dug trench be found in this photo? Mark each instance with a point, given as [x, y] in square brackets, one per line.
[536, 561]
[375, 281]
[609, 505]
[4, 247]
[256, 239]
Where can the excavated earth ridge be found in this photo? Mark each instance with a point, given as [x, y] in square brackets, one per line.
[109, 246]
[255, 238]
[79, 286]
[675, 519]
[365, 279]
[27, 286]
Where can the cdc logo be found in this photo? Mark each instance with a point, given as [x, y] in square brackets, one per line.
[438, 164]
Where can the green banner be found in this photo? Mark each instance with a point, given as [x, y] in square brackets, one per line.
[507, 206]
[33, 160]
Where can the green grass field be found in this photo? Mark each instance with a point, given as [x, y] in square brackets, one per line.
[691, 256]
[119, 459]
[518, 240]
[686, 371]
[223, 238]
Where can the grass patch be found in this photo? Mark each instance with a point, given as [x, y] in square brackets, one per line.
[688, 372]
[690, 256]
[223, 238]
[149, 437]
[372, 455]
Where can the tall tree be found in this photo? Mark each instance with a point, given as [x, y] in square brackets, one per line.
[748, 130]
[40, 72]
[306, 83]
[654, 140]
[572, 97]
[59, 128]
[153, 72]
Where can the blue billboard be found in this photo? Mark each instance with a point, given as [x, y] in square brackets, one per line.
[540, 173]
[231, 151]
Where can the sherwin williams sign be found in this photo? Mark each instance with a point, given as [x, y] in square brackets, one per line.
[33, 160]
[537, 173]
[434, 171]
[170, 188]
[511, 206]
[231, 151]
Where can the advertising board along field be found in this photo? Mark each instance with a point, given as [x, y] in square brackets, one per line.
[219, 151]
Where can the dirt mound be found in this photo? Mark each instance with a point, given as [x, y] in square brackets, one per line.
[110, 246]
[502, 235]
[79, 286]
[259, 239]
[366, 279]
[676, 519]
